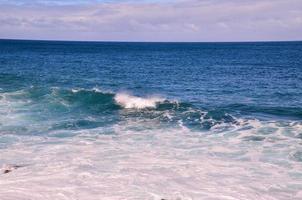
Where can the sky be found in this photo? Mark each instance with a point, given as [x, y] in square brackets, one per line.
[152, 20]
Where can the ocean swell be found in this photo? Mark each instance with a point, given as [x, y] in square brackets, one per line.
[58, 108]
[53, 109]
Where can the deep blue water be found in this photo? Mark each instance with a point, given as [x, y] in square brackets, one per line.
[252, 79]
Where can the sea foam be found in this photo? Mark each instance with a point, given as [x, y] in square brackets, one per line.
[129, 101]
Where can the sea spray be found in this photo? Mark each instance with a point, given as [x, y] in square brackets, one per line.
[129, 101]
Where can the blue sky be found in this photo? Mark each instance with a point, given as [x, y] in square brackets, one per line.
[152, 20]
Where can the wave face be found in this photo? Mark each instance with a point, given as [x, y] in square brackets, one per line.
[150, 121]
[92, 108]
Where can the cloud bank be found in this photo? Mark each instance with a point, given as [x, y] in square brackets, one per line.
[180, 20]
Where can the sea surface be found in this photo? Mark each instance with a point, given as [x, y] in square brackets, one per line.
[140, 121]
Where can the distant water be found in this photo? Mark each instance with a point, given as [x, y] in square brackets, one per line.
[87, 120]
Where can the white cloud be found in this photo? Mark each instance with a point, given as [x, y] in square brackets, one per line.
[191, 20]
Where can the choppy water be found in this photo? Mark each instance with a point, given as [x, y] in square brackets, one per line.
[150, 120]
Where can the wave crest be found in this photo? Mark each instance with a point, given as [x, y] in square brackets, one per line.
[129, 101]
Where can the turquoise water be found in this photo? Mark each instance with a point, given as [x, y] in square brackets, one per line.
[150, 120]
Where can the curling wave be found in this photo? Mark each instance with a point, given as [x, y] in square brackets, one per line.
[91, 108]
[75, 109]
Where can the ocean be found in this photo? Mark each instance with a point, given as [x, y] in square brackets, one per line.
[173, 121]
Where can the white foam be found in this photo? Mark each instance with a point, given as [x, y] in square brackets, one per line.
[75, 90]
[161, 164]
[129, 101]
[94, 89]
[10, 108]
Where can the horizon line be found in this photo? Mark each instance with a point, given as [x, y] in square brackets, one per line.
[123, 41]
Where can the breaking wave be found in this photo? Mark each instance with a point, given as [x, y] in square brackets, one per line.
[52, 109]
[83, 108]
[128, 101]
